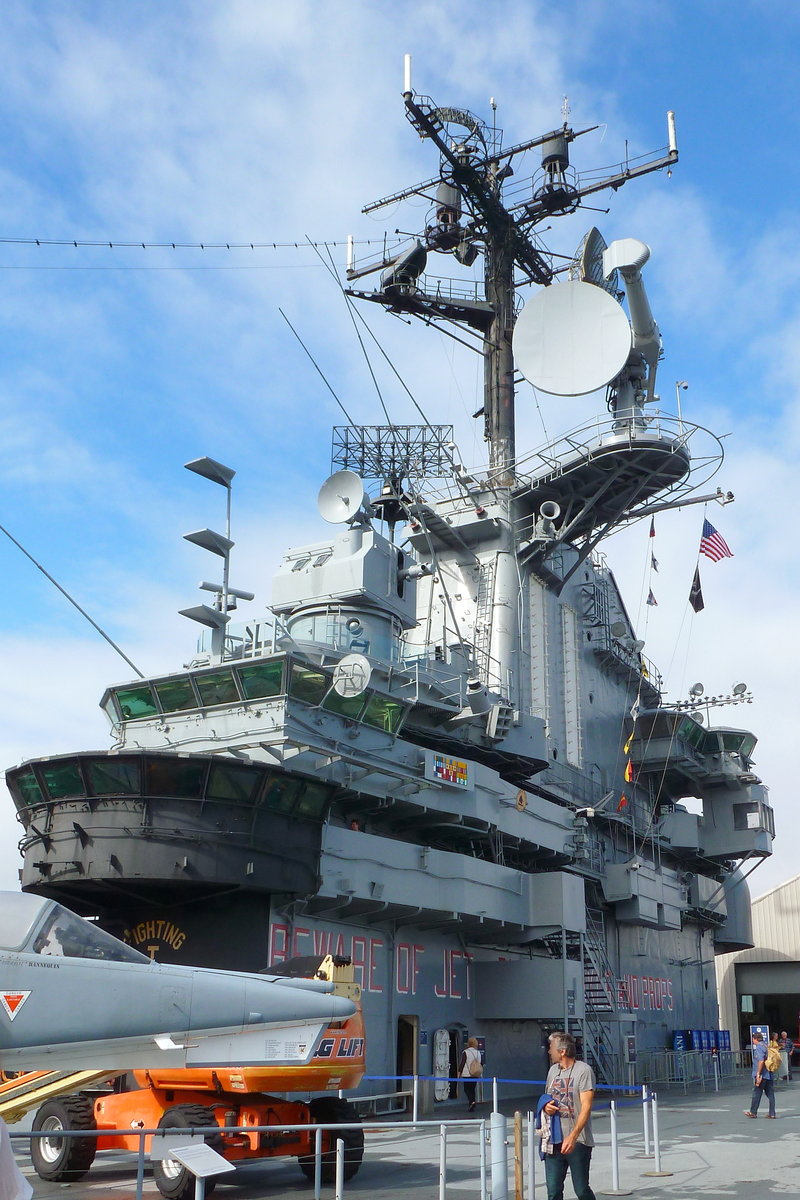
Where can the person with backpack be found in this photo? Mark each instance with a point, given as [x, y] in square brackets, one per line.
[471, 1071]
[763, 1076]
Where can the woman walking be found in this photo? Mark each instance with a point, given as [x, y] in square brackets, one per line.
[471, 1071]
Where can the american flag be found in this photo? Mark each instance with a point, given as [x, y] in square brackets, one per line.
[713, 544]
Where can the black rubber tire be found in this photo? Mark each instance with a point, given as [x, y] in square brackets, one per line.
[174, 1181]
[327, 1110]
[63, 1160]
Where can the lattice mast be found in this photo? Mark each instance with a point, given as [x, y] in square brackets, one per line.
[471, 218]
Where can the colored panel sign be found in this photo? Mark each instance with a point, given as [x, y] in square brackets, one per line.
[452, 772]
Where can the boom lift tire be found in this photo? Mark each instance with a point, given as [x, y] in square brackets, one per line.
[63, 1160]
[327, 1110]
[173, 1180]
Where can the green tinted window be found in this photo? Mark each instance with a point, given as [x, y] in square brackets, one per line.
[136, 702]
[314, 801]
[114, 777]
[308, 685]
[27, 785]
[348, 706]
[384, 714]
[281, 793]
[691, 732]
[176, 694]
[262, 679]
[230, 782]
[174, 777]
[62, 779]
[217, 688]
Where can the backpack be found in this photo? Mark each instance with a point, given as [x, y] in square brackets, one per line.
[773, 1060]
[475, 1066]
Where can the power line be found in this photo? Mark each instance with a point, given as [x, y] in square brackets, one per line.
[145, 245]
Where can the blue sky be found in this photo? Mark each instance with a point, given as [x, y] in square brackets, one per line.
[264, 121]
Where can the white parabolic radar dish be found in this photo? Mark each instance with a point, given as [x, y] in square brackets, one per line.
[341, 497]
[571, 338]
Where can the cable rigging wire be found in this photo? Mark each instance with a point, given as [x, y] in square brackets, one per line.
[75, 604]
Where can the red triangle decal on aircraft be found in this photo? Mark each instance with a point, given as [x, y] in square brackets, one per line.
[12, 1002]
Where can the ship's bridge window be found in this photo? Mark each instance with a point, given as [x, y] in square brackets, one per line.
[62, 779]
[27, 785]
[691, 732]
[114, 777]
[346, 706]
[754, 816]
[281, 793]
[262, 680]
[313, 801]
[218, 687]
[739, 743]
[307, 684]
[174, 777]
[135, 702]
[322, 558]
[300, 563]
[383, 713]
[176, 695]
[238, 784]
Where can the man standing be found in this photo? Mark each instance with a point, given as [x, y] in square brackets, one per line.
[787, 1048]
[763, 1081]
[571, 1084]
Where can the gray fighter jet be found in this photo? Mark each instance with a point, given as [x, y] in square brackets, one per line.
[73, 997]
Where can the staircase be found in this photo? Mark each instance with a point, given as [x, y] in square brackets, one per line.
[597, 1029]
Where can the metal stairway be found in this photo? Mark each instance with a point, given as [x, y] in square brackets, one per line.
[597, 1029]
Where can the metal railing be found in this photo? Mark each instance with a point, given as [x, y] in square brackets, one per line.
[452, 1149]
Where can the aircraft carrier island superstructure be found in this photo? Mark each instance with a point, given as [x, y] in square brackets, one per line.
[445, 753]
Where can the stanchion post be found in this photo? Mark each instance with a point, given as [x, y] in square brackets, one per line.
[499, 1157]
[518, 1156]
[531, 1156]
[495, 1107]
[415, 1101]
[656, 1141]
[140, 1168]
[482, 1159]
[317, 1164]
[715, 1060]
[615, 1190]
[646, 1119]
[442, 1161]
[339, 1169]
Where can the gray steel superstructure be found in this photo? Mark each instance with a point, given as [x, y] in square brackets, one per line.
[444, 753]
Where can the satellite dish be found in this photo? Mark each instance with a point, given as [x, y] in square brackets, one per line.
[619, 629]
[351, 675]
[571, 338]
[342, 498]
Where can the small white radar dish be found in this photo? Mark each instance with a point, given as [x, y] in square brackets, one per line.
[351, 675]
[342, 498]
[571, 338]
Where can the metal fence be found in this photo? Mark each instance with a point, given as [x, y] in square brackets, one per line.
[496, 1154]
